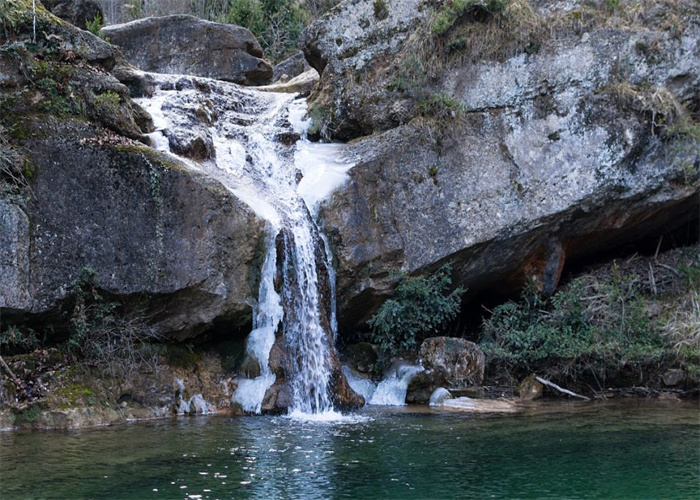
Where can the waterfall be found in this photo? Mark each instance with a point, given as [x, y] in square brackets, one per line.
[392, 390]
[284, 184]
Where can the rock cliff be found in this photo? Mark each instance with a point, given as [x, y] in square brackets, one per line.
[81, 191]
[505, 137]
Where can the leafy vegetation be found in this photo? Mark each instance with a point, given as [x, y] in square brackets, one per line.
[95, 26]
[600, 326]
[14, 339]
[422, 306]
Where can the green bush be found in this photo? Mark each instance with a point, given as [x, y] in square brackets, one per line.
[15, 340]
[592, 328]
[421, 307]
[277, 24]
[95, 26]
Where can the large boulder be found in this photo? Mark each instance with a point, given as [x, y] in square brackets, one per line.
[462, 361]
[76, 12]
[88, 199]
[290, 67]
[187, 45]
[513, 144]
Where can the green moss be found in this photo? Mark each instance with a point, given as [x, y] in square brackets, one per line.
[74, 392]
[27, 416]
[108, 103]
[381, 11]
[182, 356]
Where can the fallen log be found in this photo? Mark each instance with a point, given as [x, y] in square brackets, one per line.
[560, 389]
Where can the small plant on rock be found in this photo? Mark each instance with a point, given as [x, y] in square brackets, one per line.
[422, 306]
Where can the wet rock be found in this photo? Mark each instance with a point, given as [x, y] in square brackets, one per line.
[463, 361]
[530, 388]
[76, 12]
[673, 377]
[424, 384]
[439, 396]
[156, 235]
[361, 357]
[188, 45]
[344, 398]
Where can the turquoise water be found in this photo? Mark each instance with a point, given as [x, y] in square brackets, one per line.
[634, 450]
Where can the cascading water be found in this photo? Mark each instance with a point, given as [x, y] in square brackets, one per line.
[284, 185]
[392, 390]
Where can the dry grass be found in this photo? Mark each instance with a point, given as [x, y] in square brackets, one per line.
[663, 15]
[658, 102]
[12, 164]
[683, 326]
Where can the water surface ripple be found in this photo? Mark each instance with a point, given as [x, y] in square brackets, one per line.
[633, 450]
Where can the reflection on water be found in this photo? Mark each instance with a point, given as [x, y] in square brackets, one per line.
[641, 450]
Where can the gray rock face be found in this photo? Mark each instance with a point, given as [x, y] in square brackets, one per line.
[462, 362]
[508, 164]
[77, 12]
[146, 225]
[160, 237]
[187, 45]
[292, 67]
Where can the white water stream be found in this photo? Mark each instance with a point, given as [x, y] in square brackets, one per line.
[284, 185]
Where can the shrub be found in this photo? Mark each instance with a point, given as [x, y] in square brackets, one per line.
[597, 326]
[276, 23]
[14, 340]
[421, 308]
[102, 334]
[95, 26]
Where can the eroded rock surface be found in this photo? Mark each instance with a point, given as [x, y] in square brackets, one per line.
[509, 145]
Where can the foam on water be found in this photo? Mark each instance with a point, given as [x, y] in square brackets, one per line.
[361, 385]
[392, 390]
[327, 417]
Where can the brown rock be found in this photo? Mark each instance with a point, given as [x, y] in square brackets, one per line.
[462, 361]
[361, 357]
[530, 388]
[423, 384]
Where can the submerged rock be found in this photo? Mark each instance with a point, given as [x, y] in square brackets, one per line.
[187, 45]
[465, 404]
